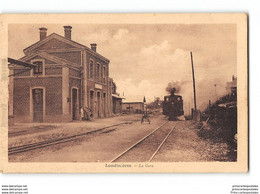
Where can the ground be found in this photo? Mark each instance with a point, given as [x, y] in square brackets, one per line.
[121, 132]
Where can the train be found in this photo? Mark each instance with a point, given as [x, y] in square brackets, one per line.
[173, 106]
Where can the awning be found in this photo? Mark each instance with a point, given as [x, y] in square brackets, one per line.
[14, 61]
[21, 63]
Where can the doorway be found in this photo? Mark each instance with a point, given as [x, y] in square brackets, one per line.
[104, 104]
[98, 105]
[92, 101]
[74, 103]
[37, 105]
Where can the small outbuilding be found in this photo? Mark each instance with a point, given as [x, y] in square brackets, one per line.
[117, 103]
[132, 107]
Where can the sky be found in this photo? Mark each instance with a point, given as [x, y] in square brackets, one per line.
[145, 58]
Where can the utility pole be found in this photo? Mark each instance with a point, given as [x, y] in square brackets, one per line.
[194, 89]
[215, 90]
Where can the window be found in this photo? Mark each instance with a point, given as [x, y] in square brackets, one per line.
[98, 71]
[104, 74]
[38, 69]
[91, 69]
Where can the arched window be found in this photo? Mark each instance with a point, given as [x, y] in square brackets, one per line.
[104, 75]
[98, 72]
[91, 69]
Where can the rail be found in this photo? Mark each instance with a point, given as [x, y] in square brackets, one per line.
[141, 140]
[37, 145]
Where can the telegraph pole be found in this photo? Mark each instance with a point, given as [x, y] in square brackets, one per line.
[194, 89]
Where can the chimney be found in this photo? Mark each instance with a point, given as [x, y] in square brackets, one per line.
[67, 32]
[94, 47]
[43, 33]
[173, 91]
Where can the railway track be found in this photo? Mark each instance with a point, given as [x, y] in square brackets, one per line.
[51, 142]
[146, 148]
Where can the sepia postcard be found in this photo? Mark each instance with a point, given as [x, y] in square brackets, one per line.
[124, 93]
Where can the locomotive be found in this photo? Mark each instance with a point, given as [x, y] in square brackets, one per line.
[173, 106]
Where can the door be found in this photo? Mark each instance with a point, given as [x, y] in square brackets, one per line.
[92, 101]
[104, 104]
[74, 103]
[37, 105]
[98, 104]
[114, 106]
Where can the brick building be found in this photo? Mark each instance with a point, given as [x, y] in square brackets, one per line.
[67, 75]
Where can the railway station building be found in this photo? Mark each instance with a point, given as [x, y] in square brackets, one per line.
[67, 76]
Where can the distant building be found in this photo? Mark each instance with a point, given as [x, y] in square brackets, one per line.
[231, 87]
[116, 99]
[132, 107]
[67, 76]
[117, 104]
